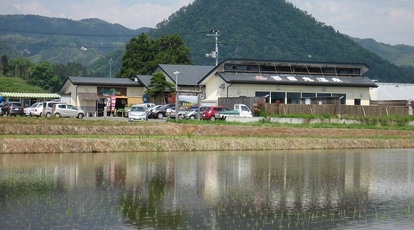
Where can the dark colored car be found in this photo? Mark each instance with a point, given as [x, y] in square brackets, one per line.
[210, 113]
[12, 109]
[161, 112]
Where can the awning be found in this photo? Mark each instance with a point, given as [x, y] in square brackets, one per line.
[88, 96]
[29, 95]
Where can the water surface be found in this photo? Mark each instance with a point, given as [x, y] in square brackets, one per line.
[332, 189]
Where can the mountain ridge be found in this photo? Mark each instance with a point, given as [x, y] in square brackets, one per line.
[239, 38]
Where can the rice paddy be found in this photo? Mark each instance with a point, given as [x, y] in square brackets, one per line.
[308, 189]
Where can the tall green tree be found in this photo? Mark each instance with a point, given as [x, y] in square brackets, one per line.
[21, 67]
[158, 85]
[138, 56]
[42, 75]
[69, 69]
[142, 55]
[5, 65]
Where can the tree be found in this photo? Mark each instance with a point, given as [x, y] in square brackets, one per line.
[70, 69]
[5, 64]
[43, 76]
[21, 67]
[142, 56]
[138, 57]
[158, 85]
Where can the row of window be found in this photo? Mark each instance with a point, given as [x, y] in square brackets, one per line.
[295, 97]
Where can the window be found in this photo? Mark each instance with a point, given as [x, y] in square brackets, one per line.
[293, 98]
[308, 95]
[277, 96]
[357, 102]
[324, 95]
[343, 99]
[265, 95]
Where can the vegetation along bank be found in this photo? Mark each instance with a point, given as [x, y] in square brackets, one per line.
[41, 135]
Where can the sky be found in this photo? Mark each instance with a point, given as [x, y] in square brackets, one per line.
[386, 21]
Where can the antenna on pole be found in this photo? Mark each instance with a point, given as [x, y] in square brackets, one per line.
[214, 54]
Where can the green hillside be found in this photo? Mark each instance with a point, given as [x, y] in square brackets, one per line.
[256, 29]
[401, 55]
[271, 29]
[59, 40]
[15, 84]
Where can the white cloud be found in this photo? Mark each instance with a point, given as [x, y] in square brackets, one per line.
[390, 22]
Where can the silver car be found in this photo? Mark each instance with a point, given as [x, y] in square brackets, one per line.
[192, 114]
[34, 110]
[66, 110]
[138, 112]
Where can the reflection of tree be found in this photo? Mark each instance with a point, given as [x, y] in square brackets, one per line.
[144, 211]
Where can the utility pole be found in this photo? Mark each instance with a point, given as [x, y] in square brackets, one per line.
[111, 62]
[214, 54]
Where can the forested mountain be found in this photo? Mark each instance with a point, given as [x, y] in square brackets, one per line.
[59, 40]
[256, 29]
[402, 55]
[269, 29]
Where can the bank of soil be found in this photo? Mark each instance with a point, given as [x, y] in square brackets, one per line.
[56, 136]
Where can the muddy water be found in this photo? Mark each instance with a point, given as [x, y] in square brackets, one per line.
[333, 189]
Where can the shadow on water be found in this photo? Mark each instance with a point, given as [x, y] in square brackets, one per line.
[209, 190]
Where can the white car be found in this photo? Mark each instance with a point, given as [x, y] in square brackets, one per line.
[34, 110]
[138, 112]
[66, 110]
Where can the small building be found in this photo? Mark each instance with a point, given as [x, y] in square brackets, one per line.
[93, 94]
[186, 77]
[27, 99]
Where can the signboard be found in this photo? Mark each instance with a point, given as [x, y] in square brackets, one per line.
[187, 101]
[113, 103]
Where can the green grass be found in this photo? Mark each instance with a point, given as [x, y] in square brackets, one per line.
[15, 84]
[380, 123]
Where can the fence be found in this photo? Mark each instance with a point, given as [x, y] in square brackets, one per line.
[351, 110]
[379, 108]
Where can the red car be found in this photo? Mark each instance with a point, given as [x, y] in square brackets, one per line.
[210, 113]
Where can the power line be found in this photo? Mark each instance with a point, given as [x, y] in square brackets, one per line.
[70, 34]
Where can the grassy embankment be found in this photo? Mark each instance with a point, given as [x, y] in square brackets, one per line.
[41, 135]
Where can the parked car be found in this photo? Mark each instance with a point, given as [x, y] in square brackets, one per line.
[47, 108]
[12, 109]
[138, 112]
[161, 111]
[37, 111]
[34, 110]
[210, 112]
[151, 111]
[66, 110]
[192, 114]
[2, 104]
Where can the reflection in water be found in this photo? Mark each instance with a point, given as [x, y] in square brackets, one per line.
[209, 190]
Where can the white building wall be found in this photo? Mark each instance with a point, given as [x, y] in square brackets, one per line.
[214, 91]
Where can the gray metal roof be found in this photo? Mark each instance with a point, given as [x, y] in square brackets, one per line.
[103, 81]
[395, 91]
[144, 80]
[364, 68]
[294, 79]
[189, 75]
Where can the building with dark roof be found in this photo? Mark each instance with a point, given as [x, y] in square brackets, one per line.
[92, 94]
[288, 82]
